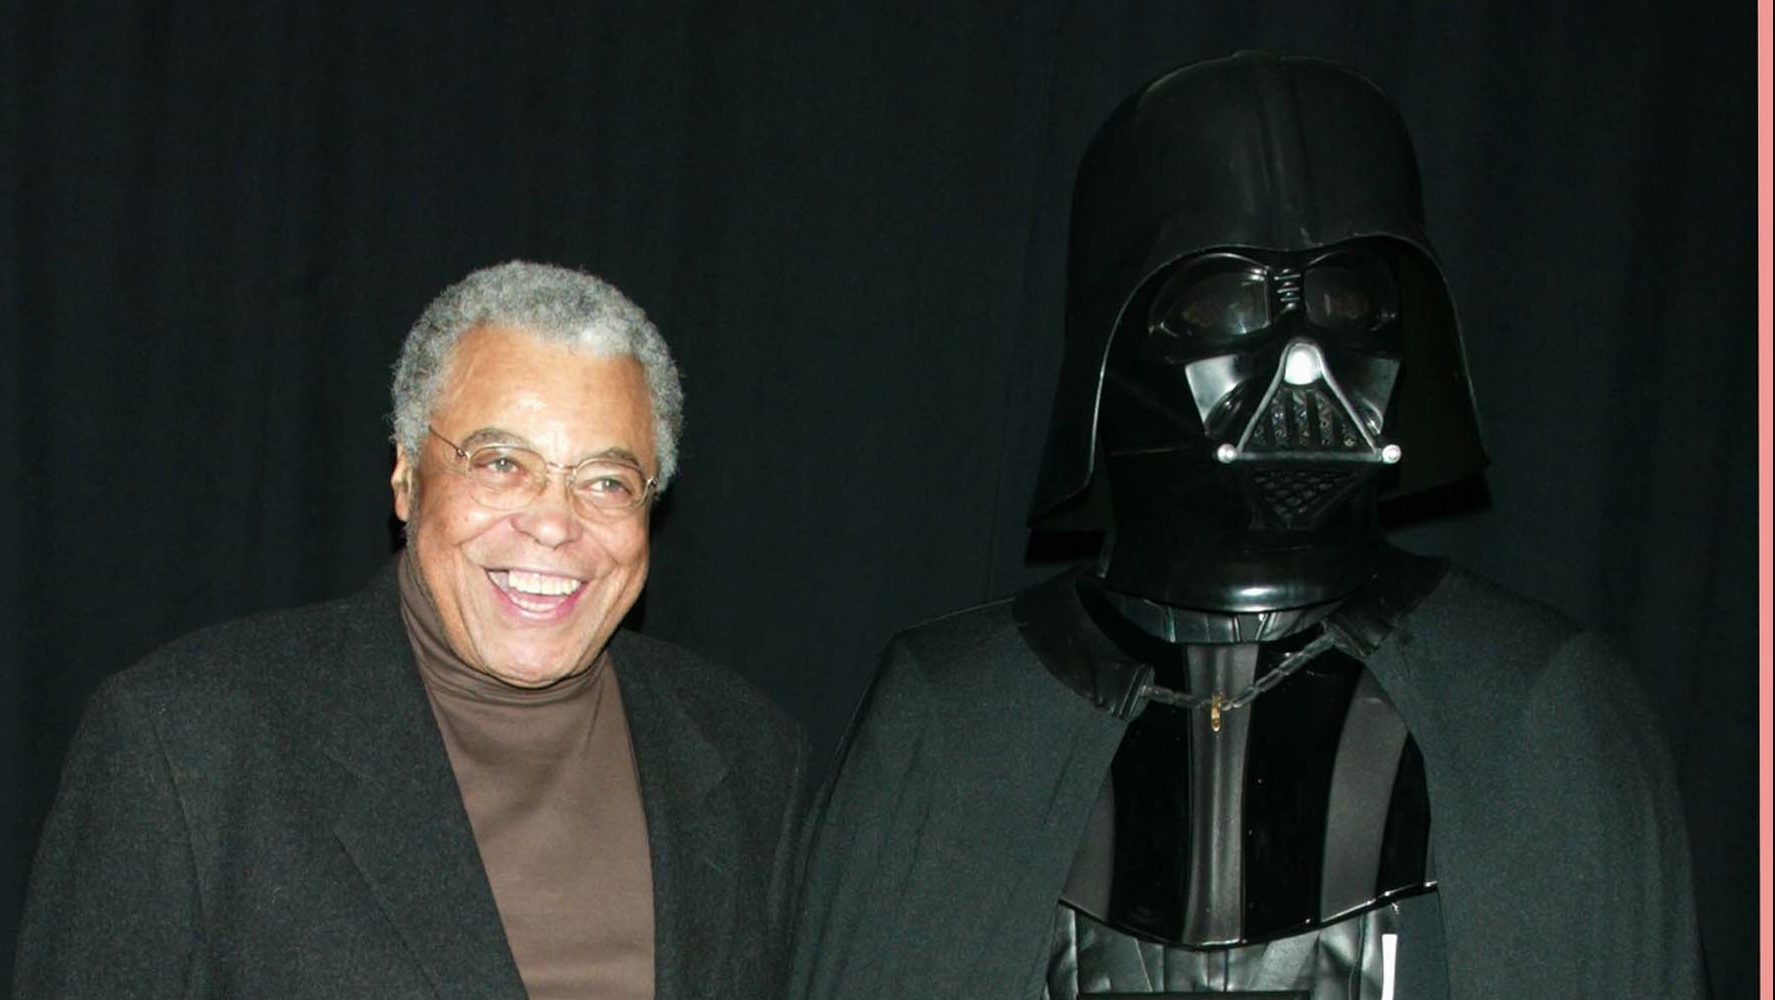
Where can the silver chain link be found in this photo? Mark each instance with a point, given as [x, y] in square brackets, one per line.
[1279, 673]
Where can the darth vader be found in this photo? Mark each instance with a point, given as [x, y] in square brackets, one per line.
[1256, 749]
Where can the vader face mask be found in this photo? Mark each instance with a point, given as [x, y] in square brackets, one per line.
[1260, 345]
[1277, 367]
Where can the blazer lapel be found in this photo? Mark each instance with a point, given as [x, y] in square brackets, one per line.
[401, 818]
[691, 816]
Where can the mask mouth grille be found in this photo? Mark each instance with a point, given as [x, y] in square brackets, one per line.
[1303, 419]
[1298, 497]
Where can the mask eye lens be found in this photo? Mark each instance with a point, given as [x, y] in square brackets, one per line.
[1218, 305]
[1347, 299]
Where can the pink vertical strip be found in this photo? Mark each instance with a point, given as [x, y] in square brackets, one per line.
[1764, 420]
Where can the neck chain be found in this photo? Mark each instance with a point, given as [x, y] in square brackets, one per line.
[1217, 702]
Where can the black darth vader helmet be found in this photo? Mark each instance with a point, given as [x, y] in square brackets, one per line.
[1247, 253]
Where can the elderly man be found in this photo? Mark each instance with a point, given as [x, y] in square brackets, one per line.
[464, 781]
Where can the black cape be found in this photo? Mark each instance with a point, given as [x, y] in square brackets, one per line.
[959, 798]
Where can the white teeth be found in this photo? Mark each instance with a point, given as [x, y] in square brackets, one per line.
[528, 603]
[541, 584]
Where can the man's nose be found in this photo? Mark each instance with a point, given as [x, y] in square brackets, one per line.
[550, 519]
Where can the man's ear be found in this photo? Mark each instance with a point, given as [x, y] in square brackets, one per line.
[402, 484]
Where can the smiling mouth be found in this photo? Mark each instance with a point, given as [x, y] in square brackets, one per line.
[537, 593]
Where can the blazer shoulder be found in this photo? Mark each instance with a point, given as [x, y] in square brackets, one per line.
[265, 655]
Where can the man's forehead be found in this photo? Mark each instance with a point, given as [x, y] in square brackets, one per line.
[513, 381]
[496, 351]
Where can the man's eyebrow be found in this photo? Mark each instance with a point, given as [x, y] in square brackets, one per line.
[495, 435]
[618, 453]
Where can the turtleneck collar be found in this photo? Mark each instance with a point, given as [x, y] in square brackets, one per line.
[549, 781]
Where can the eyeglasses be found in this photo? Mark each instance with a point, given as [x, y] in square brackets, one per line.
[508, 476]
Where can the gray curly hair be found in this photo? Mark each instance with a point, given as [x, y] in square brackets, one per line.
[556, 303]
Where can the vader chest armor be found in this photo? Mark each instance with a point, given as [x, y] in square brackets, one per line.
[1282, 842]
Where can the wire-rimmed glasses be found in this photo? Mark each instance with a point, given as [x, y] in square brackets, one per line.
[510, 476]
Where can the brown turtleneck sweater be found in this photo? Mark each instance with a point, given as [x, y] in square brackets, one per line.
[548, 777]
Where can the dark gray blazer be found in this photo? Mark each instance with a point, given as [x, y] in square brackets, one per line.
[265, 809]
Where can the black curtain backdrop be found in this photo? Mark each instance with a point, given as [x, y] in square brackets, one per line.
[850, 221]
